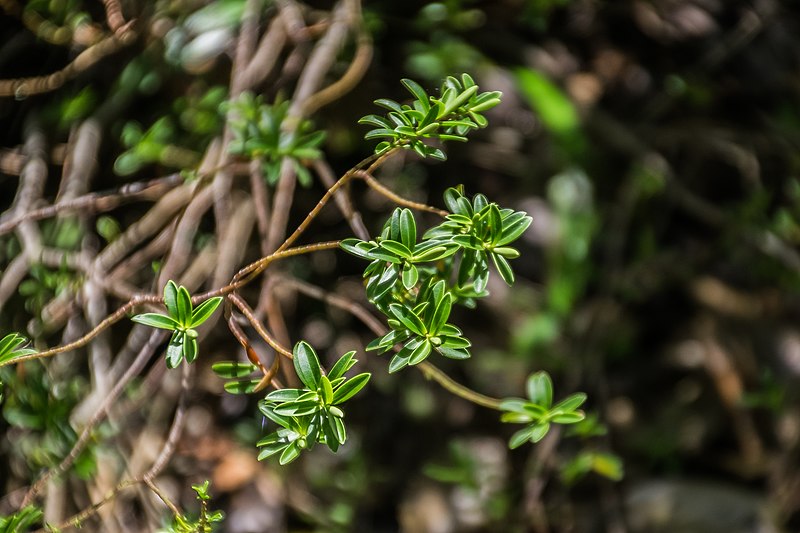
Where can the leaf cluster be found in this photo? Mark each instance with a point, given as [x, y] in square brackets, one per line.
[415, 284]
[537, 412]
[311, 414]
[205, 522]
[449, 117]
[13, 346]
[182, 320]
[22, 520]
[261, 131]
[41, 413]
[153, 145]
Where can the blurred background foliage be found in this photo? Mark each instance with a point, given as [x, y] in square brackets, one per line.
[654, 143]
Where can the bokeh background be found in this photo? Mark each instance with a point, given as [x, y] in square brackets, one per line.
[654, 143]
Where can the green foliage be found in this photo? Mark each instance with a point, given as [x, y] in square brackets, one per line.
[416, 283]
[233, 370]
[182, 320]
[206, 522]
[43, 284]
[152, 146]
[312, 414]
[538, 411]
[261, 131]
[449, 117]
[13, 346]
[604, 464]
[554, 109]
[40, 414]
[22, 520]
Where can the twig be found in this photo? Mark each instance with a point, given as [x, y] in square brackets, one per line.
[342, 199]
[156, 338]
[429, 370]
[257, 325]
[175, 430]
[114, 16]
[266, 55]
[394, 197]
[24, 87]
[311, 78]
[96, 202]
[355, 71]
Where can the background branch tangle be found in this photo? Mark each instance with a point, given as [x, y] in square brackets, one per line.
[305, 411]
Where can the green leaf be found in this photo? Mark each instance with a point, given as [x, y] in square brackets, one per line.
[571, 402]
[285, 395]
[357, 247]
[399, 361]
[495, 222]
[540, 430]
[242, 387]
[449, 341]
[396, 248]
[540, 389]
[298, 408]
[419, 93]
[453, 353]
[171, 298]
[156, 320]
[327, 390]
[512, 230]
[376, 120]
[189, 348]
[350, 387]
[389, 104]
[175, 350]
[608, 465]
[572, 417]
[385, 255]
[290, 453]
[408, 319]
[503, 268]
[205, 310]
[270, 449]
[233, 369]
[328, 429]
[522, 436]
[338, 426]
[441, 314]
[184, 302]
[344, 364]
[408, 229]
[420, 353]
[554, 108]
[507, 252]
[306, 364]
[410, 275]
[516, 405]
[10, 347]
[435, 253]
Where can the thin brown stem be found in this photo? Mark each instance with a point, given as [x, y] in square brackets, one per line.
[374, 161]
[245, 309]
[429, 370]
[396, 198]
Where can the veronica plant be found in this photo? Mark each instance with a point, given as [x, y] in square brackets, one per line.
[458, 110]
[205, 522]
[12, 346]
[260, 132]
[538, 412]
[415, 284]
[310, 415]
[182, 320]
